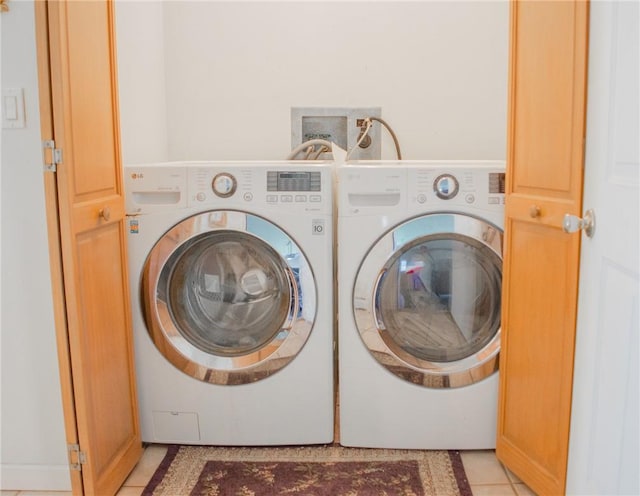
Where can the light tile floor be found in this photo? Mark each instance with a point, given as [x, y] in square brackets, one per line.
[488, 477]
[485, 473]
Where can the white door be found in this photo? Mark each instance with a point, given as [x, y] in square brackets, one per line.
[603, 453]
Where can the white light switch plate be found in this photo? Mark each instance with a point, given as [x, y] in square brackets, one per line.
[12, 108]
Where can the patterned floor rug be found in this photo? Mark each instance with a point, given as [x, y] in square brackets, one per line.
[307, 471]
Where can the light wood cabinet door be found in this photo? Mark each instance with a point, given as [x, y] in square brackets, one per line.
[548, 58]
[77, 67]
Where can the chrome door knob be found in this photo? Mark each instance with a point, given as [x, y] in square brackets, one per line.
[573, 223]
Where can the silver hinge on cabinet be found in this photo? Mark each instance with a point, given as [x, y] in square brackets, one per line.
[52, 156]
[76, 457]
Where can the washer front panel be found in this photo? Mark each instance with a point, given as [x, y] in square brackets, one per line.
[427, 300]
[225, 295]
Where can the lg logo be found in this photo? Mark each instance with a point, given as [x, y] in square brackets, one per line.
[317, 227]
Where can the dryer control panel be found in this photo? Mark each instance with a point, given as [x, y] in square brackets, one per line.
[458, 184]
[413, 187]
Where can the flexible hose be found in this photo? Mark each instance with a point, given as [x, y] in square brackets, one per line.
[393, 135]
[303, 146]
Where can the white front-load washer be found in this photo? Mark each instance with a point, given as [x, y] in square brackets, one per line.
[231, 269]
[419, 287]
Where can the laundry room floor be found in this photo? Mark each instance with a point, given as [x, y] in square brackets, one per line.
[485, 473]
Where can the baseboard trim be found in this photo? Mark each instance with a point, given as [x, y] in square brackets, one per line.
[35, 477]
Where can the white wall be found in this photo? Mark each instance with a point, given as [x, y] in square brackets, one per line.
[141, 81]
[233, 70]
[33, 442]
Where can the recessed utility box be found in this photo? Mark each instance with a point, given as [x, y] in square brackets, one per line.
[339, 125]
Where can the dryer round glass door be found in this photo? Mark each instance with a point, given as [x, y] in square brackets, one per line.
[427, 300]
[229, 297]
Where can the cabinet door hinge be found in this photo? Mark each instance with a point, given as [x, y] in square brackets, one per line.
[52, 156]
[76, 457]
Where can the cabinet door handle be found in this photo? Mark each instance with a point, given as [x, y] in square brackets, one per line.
[534, 211]
[105, 213]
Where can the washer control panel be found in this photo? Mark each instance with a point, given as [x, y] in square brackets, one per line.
[278, 185]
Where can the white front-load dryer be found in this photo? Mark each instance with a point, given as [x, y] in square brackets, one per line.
[419, 287]
[231, 277]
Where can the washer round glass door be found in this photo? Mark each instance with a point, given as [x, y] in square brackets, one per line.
[227, 297]
[427, 300]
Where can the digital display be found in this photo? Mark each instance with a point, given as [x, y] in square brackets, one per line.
[496, 182]
[293, 181]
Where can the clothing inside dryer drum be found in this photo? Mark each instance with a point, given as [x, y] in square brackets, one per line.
[229, 293]
[439, 299]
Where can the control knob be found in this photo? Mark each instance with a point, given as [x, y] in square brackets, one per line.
[224, 185]
[446, 186]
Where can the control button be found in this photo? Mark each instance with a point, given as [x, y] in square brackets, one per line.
[272, 198]
[493, 200]
[224, 185]
[301, 198]
[315, 198]
[201, 196]
[286, 198]
[470, 198]
[422, 198]
[247, 196]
